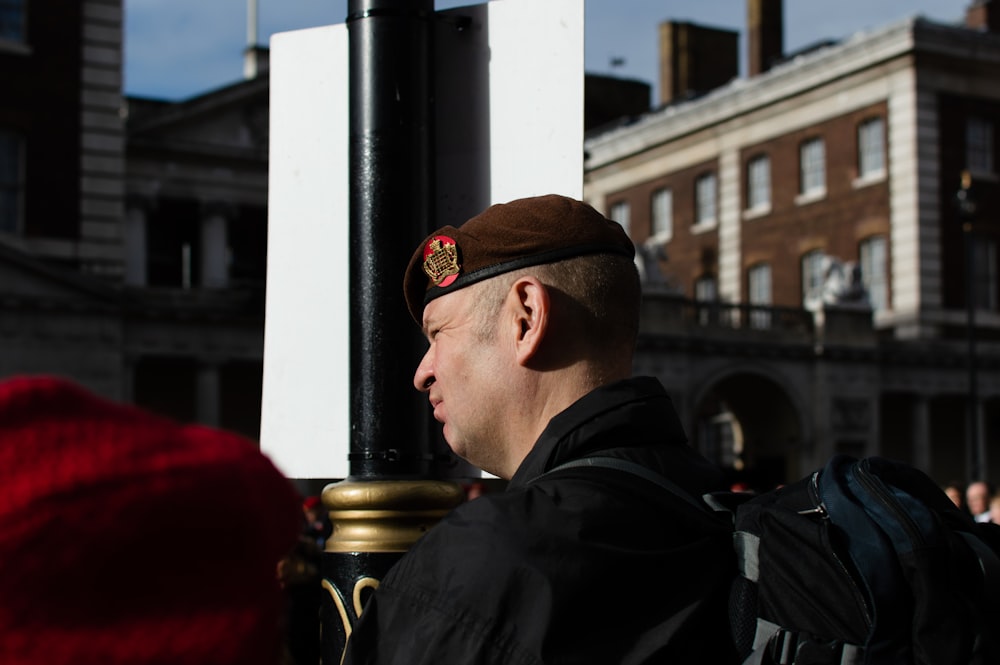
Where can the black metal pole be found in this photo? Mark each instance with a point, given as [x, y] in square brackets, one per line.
[391, 171]
[975, 454]
[967, 207]
[388, 500]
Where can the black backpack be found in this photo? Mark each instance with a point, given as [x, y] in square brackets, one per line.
[863, 562]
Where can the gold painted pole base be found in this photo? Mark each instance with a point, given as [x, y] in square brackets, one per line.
[374, 523]
[385, 515]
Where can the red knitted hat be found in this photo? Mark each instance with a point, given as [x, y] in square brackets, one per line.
[129, 538]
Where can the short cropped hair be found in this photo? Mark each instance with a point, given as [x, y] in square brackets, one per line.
[604, 290]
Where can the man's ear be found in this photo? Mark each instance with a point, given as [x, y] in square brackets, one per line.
[532, 308]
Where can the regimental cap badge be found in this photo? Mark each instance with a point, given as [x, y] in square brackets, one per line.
[441, 260]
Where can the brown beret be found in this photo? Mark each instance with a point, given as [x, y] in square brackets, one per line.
[506, 237]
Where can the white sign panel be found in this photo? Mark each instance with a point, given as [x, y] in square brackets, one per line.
[306, 391]
[509, 104]
[509, 124]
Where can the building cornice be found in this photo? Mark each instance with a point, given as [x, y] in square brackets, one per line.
[793, 77]
[158, 114]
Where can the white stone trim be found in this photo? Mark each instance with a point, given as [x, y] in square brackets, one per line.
[743, 97]
[812, 196]
[730, 274]
[814, 107]
[102, 139]
[758, 211]
[790, 80]
[868, 179]
[913, 132]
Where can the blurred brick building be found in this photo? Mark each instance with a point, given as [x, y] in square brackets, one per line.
[846, 156]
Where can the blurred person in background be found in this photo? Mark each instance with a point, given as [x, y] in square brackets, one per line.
[995, 510]
[956, 492]
[977, 500]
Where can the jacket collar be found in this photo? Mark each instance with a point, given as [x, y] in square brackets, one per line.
[633, 413]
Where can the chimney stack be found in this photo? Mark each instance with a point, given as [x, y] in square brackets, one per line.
[256, 61]
[695, 59]
[983, 15]
[765, 35]
[256, 58]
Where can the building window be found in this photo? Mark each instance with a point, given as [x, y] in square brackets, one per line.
[871, 148]
[979, 145]
[11, 181]
[621, 212]
[705, 199]
[986, 273]
[812, 168]
[720, 439]
[662, 204]
[12, 20]
[759, 183]
[812, 277]
[874, 272]
[759, 288]
[706, 291]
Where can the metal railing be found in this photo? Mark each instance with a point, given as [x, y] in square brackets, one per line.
[669, 313]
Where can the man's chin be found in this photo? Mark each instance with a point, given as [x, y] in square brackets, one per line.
[460, 449]
[460, 453]
[456, 446]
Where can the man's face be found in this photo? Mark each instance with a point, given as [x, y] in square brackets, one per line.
[462, 374]
[977, 498]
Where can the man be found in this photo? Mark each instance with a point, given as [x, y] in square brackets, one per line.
[977, 499]
[955, 493]
[531, 310]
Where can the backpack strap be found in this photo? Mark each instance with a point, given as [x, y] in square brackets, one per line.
[989, 563]
[747, 546]
[635, 469]
[774, 645]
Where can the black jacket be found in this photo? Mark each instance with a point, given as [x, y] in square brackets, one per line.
[586, 565]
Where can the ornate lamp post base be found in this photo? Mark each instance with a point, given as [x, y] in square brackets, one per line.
[374, 523]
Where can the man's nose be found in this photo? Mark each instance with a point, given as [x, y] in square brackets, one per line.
[423, 378]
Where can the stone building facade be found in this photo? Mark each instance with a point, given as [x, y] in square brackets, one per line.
[132, 232]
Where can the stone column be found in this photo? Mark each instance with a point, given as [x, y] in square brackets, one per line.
[208, 411]
[214, 250]
[135, 244]
[923, 456]
[982, 450]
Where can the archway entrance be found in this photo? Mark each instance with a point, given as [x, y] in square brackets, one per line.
[747, 424]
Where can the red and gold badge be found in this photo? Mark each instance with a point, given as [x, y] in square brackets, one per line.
[441, 260]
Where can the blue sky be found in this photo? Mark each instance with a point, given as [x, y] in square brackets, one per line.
[175, 49]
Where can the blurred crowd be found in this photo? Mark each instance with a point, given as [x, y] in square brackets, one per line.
[979, 499]
[300, 575]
